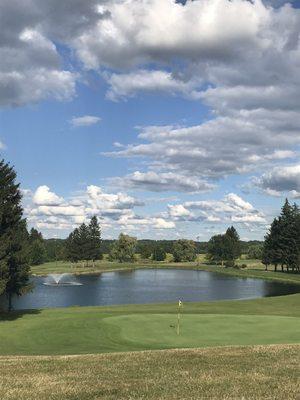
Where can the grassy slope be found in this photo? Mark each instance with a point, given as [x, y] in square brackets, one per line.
[255, 269]
[259, 372]
[137, 327]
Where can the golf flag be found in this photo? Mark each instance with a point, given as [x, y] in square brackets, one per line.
[179, 303]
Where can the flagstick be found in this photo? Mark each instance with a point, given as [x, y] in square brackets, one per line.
[178, 321]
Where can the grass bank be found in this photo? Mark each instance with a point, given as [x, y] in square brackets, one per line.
[254, 269]
[256, 372]
[82, 330]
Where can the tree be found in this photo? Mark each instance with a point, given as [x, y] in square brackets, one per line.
[282, 242]
[145, 251]
[255, 252]
[159, 253]
[94, 240]
[14, 265]
[72, 247]
[216, 250]
[225, 248]
[34, 234]
[123, 249]
[37, 250]
[232, 244]
[37, 253]
[184, 250]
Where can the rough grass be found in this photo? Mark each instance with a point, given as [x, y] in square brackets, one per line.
[258, 372]
[78, 330]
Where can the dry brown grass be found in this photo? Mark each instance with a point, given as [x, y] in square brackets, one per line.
[256, 372]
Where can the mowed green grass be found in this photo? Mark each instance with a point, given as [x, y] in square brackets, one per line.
[147, 327]
[253, 372]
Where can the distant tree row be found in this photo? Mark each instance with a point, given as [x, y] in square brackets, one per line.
[125, 248]
[282, 242]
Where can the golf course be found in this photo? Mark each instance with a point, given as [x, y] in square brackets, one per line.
[236, 348]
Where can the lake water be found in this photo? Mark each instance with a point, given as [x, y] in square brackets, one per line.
[148, 286]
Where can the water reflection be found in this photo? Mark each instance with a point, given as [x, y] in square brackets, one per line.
[148, 286]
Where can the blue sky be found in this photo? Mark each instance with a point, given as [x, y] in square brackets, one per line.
[164, 120]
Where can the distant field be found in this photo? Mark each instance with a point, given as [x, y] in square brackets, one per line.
[256, 372]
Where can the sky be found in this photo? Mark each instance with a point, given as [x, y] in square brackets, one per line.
[165, 119]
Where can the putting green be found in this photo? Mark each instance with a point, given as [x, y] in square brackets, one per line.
[81, 330]
[160, 330]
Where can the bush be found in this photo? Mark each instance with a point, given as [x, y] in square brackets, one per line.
[229, 264]
[243, 266]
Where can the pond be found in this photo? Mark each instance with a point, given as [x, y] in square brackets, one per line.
[147, 286]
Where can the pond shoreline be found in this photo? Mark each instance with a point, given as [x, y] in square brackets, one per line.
[278, 276]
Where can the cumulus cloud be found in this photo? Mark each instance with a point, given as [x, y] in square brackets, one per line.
[163, 181]
[247, 75]
[127, 85]
[86, 120]
[31, 67]
[231, 209]
[44, 197]
[281, 180]
[46, 210]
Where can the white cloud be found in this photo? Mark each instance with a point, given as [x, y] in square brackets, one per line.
[281, 180]
[231, 209]
[86, 120]
[163, 181]
[127, 85]
[178, 210]
[44, 197]
[46, 210]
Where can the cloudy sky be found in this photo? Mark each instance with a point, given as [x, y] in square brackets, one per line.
[165, 119]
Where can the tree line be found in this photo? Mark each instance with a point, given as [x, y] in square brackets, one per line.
[19, 248]
[282, 242]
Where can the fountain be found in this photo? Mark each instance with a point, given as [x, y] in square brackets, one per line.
[61, 280]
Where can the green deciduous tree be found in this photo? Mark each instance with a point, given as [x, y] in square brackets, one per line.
[224, 248]
[184, 250]
[123, 249]
[14, 265]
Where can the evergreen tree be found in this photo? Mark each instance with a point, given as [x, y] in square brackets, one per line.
[37, 249]
[14, 266]
[94, 239]
[159, 253]
[37, 253]
[232, 245]
[72, 247]
[282, 242]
